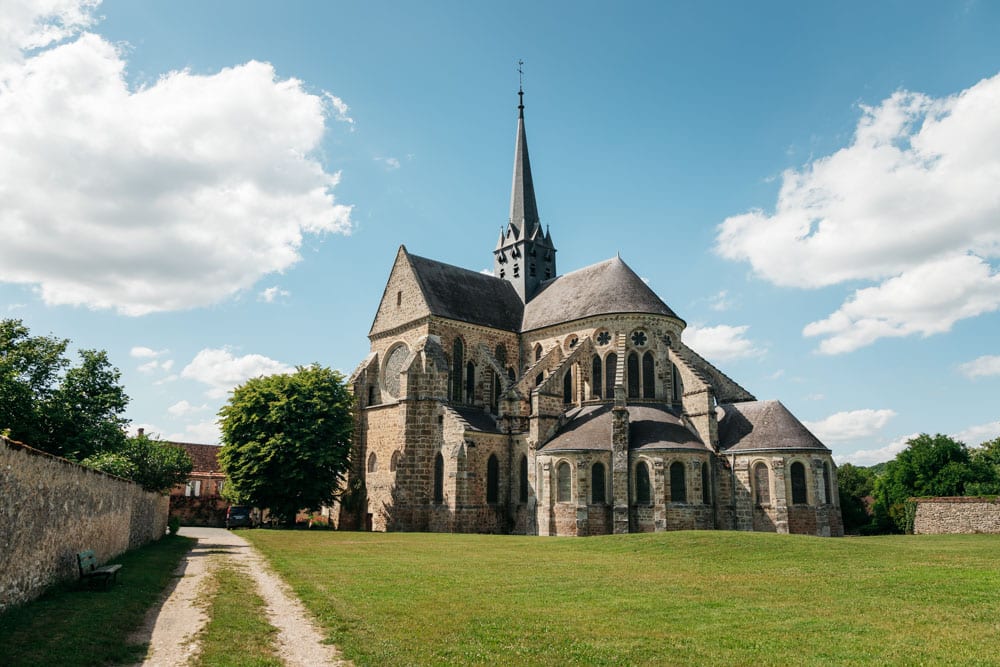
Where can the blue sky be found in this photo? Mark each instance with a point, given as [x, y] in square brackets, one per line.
[211, 191]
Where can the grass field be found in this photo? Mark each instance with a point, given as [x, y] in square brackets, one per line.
[74, 625]
[666, 598]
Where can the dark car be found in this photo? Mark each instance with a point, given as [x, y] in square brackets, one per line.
[239, 516]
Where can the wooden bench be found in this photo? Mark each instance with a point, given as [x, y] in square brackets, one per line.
[90, 572]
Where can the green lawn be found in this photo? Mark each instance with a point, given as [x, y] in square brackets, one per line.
[666, 598]
[74, 625]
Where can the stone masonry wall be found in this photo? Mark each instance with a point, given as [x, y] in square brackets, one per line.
[937, 516]
[50, 509]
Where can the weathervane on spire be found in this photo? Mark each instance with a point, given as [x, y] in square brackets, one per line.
[520, 86]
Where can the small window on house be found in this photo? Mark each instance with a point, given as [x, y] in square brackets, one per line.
[678, 385]
[470, 382]
[799, 495]
[761, 484]
[538, 351]
[438, 479]
[827, 487]
[517, 271]
[678, 489]
[539, 378]
[193, 488]
[394, 461]
[457, 362]
[219, 487]
[564, 483]
[372, 462]
[371, 394]
[598, 494]
[492, 479]
[706, 485]
[595, 376]
[399, 299]
[568, 386]
[642, 490]
[503, 274]
[522, 481]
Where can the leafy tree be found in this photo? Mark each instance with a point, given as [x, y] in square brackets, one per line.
[929, 466]
[856, 485]
[71, 411]
[287, 439]
[156, 466]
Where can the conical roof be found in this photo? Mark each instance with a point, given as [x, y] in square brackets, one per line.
[600, 289]
[762, 425]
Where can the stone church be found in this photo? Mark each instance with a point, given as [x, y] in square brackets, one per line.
[544, 404]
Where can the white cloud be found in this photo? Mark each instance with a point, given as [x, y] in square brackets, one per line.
[926, 300]
[390, 163]
[720, 301]
[206, 432]
[222, 371]
[850, 425]
[912, 199]
[182, 408]
[32, 24]
[977, 435]
[981, 367]
[140, 352]
[271, 293]
[722, 342]
[868, 457]
[339, 108]
[174, 195]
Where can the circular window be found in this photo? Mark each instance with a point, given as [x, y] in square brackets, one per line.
[393, 367]
[603, 338]
[572, 341]
[639, 338]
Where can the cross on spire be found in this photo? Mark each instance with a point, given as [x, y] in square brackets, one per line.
[520, 87]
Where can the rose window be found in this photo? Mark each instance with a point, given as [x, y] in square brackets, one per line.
[603, 338]
[639, 338]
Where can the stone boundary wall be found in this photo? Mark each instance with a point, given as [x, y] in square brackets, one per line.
[936, 516]
[51, 508]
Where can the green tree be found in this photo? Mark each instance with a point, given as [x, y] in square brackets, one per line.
[929, 466]
[287, 440]
[45, 402]
[856, 485]
[156, 466]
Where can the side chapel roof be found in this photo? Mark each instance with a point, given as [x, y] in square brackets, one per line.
[651, 426]
[762, 425]
[604, 288]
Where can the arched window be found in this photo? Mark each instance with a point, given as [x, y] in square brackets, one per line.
[470, 382]
[568, 386]
[595, 376]
[371, 394]
[457, 363]
[678, 385]
[438, 479]
[761, 484]
[538, 351]
[598, 494]
[799, 495]
[678, 490]
[394, 462]
[495, 398]
[610, 368]
[372, 462]
[706, 485]
[501, 355]
[522, 486]
[642, 490]
[827, 487]
[564, 483]
[632, 375]
[648, 376]
[492, 479]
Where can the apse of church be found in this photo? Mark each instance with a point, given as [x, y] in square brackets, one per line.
[536, 403]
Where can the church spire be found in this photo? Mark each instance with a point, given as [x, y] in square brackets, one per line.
[523, 209]
[525, 255]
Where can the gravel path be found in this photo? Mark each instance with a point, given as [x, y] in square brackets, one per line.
[171, 629]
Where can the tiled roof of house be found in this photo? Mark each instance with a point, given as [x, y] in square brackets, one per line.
[763, 425]
[600, 289]
[651, 426]
[467, 296]
[203, 457]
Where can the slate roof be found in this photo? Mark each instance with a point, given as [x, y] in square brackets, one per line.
[762, 425]
[651, 426]
[599, 289]
[467, 296]
[477, 419]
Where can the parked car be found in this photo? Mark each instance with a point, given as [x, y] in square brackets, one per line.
[240, 516]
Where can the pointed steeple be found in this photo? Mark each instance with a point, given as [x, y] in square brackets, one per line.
[525, 255]
[523, 209]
